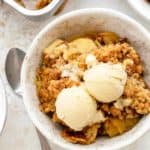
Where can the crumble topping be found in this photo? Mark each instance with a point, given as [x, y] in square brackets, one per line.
[63, 65]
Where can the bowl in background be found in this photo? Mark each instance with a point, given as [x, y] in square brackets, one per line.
[50, 8]
[78, 23]
[142, 7]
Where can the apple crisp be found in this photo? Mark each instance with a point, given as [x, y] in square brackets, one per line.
[63, 66]
[34, 4]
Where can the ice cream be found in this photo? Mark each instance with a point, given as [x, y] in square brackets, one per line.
[105, 81]
[91, 60]
[77, 108]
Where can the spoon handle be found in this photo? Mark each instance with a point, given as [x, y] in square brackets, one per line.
[43, 141]
[3, 105]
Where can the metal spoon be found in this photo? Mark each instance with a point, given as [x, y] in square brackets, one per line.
[13, 65]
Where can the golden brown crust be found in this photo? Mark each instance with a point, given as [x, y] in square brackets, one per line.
[119, 53]
[139, 92]
[87, 136]
[111, 111]
[49, 83]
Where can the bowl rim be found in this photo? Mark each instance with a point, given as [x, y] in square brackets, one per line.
[110, 12]
[4, 105]
[130, 2]
[50, 7]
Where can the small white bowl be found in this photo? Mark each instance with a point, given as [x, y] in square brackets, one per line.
[3, 106]
[51, 8]
[75, 23]
[142, 7]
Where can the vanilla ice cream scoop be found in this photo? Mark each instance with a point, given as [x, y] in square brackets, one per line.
[105, 81]
[77, 109]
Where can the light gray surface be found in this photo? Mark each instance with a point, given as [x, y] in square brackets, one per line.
[19, 31]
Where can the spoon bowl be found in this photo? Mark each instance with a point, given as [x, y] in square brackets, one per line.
[13, 65]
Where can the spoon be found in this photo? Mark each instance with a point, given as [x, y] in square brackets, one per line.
[13, 65]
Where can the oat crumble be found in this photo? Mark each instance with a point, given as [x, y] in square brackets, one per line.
[106, 47]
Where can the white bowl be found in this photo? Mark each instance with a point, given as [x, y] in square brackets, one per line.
[3, 106]
[51, 8]
[142, 7]
[75, 23]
